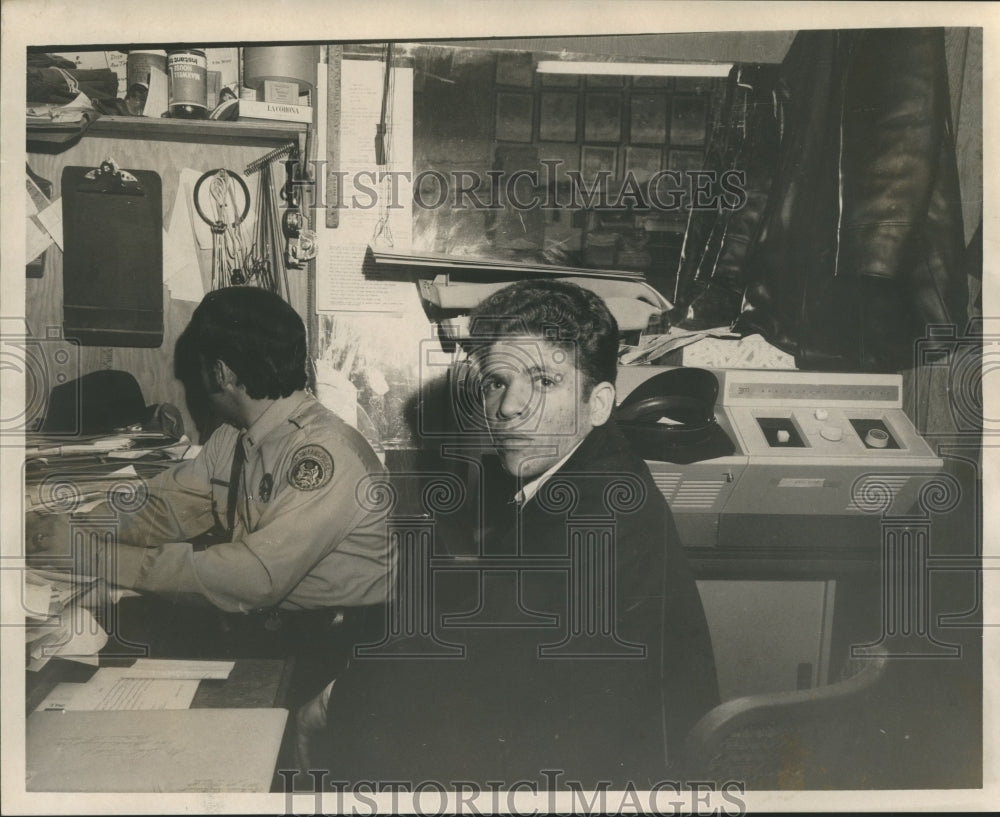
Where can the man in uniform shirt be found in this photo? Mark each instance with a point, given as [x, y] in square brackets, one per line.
[298, 558]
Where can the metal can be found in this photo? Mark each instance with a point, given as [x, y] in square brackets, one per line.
[140, 64]
[187, 83]
[140, 67]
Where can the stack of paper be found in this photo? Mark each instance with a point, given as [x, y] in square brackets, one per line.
[57, 622]
[77, 476]
[147, 684]
[653, 347]
[78, 492]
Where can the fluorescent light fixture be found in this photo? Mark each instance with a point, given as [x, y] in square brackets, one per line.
[636, 69]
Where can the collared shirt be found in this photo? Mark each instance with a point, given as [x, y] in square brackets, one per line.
[529, 490]
[305, 536]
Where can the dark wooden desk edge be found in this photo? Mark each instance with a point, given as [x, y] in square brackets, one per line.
[253, 683]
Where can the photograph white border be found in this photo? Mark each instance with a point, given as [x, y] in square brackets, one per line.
[82, 22]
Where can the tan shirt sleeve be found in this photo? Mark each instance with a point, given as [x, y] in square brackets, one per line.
[298, 529]
[179, 502]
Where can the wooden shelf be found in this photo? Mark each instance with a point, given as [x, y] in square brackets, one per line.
[244, 132]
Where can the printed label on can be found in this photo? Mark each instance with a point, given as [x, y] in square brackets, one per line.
[188, 75]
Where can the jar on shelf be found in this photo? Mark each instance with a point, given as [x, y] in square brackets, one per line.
[187, 83]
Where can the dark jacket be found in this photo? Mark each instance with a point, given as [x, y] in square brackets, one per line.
[592, 656]
[850, 243]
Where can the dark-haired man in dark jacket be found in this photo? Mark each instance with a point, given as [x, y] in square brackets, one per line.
[594, 664]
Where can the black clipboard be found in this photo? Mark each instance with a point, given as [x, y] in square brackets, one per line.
[112, 256]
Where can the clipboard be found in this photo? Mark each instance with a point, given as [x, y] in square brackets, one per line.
[112, 256]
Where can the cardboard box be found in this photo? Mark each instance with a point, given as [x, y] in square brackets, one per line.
[250, 109]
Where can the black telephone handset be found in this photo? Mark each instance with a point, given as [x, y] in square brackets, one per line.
[671, 417]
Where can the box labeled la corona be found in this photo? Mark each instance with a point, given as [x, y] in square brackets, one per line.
[255, 109]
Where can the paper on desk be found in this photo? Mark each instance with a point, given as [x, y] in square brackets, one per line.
[99, 497]
[59, 699]
[178, 451]
[51, 219]
[182, 450]
[130, 454]
[37, 240]
[116, 594]
[40, 499]
[652, 347]
[98, 446]
[111, 688]
[179, 669]
[86, 637]
[218, 750]
[76, 636]
[51, 591]
[65, 584]
[93, 504]
[37, 598]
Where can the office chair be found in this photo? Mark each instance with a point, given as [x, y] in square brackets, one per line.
[806, 739]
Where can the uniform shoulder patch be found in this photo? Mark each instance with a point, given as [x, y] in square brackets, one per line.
[311, 468]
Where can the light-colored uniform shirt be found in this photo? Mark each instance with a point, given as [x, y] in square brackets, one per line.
[304, 536]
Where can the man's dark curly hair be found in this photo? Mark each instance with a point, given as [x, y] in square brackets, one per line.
[557, 311]
[255, 333]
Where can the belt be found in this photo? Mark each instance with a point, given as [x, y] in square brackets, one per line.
[274, 619]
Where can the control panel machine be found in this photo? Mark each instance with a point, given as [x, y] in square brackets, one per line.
[818, 459]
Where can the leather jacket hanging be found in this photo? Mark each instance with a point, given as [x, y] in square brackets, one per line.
[858, 248]
[710, 279]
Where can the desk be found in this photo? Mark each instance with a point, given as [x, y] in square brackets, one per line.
[218, 736]
[163, 750]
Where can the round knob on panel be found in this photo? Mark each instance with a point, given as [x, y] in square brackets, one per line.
[821, 414]
[832, 433]
[783, 436]
[876, 438]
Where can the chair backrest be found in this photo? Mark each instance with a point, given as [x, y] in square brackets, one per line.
[785, 740]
